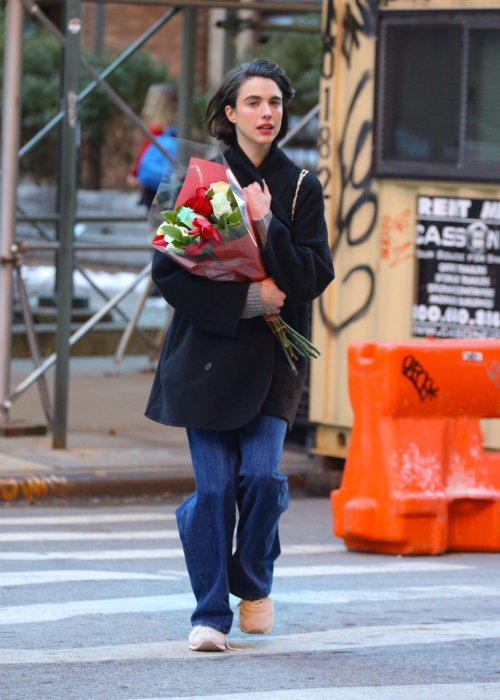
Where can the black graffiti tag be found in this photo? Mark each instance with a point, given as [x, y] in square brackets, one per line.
[363, 22]
[344, 219]
[360, 20]
[423, 383]
[328, 40]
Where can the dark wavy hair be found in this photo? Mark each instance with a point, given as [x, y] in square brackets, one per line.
[216, 121]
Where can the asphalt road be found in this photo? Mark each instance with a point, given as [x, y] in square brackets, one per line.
[95, 604]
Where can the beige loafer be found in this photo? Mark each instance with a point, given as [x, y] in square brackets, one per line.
[256, 616]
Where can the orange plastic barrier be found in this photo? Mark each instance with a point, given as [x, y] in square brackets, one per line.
[417, 479]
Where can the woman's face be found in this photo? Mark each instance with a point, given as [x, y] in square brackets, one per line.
[258, 112]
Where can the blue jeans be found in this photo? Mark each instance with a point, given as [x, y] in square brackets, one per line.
[233, 468]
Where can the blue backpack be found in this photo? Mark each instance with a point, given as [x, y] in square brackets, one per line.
[154, 164]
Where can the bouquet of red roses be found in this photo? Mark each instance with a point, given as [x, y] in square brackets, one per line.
[200, 219]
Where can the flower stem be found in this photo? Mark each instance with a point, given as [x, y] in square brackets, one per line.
[291, 342]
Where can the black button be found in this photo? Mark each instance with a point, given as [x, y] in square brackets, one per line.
[208, 366]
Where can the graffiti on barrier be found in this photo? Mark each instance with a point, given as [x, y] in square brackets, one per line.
[423, 383]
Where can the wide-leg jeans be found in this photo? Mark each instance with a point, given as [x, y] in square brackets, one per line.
[233, 468]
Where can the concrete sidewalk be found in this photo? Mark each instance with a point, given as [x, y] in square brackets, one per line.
[113, 449]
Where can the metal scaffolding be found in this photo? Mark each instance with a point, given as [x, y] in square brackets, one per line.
[11, 251]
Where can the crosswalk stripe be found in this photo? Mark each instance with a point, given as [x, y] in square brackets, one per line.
[393, 594]
[71, 536]
[399, 566]
[152, 553]
[457, 691]
[352, 638]
[393, 567]
[312, 548]
[89, 519]
[50, 612]
[95, 555]
[25, 578]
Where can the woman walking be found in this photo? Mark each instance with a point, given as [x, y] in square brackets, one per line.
[224, 377]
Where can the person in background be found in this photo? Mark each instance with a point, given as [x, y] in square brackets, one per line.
[159, 113]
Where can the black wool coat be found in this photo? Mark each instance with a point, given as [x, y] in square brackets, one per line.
[216, 370]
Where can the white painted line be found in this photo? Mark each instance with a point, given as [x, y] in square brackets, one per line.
[394, 566]
[457, 691]
[312, 548]
[116, 554]
[71, 536]
[26, 578]
[351, 638]
[49, 612]
[399, 566]
[88, 519]
[392, 594]
[95, 555]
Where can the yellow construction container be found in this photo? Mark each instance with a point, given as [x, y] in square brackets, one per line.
[409, 158]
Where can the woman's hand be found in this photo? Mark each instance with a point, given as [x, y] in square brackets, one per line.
[272, 297]
[132, 181]
[259, 201]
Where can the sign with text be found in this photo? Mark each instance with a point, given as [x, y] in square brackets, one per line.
[458, 268]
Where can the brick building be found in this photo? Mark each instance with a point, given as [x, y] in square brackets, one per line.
[123, 24]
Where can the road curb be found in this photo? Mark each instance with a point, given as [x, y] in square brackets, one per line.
[99, 485]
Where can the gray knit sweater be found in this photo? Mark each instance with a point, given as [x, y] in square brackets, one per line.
[253, 304]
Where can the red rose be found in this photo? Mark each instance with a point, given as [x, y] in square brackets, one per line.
[204, 228]
[200, 204]
[159, 240]
[208, 235]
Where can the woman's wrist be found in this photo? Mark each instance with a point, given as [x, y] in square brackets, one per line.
[260, 214]
[262, 227]
[253, 304]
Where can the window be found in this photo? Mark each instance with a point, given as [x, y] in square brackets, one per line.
[438, 112]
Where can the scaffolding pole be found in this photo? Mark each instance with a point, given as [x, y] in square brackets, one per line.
[11, 120]
[67, 222]
[186, 77]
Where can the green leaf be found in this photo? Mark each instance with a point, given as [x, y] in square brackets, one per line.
[170, 216]
[174, 232]
[235, 217]
[222, 222]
